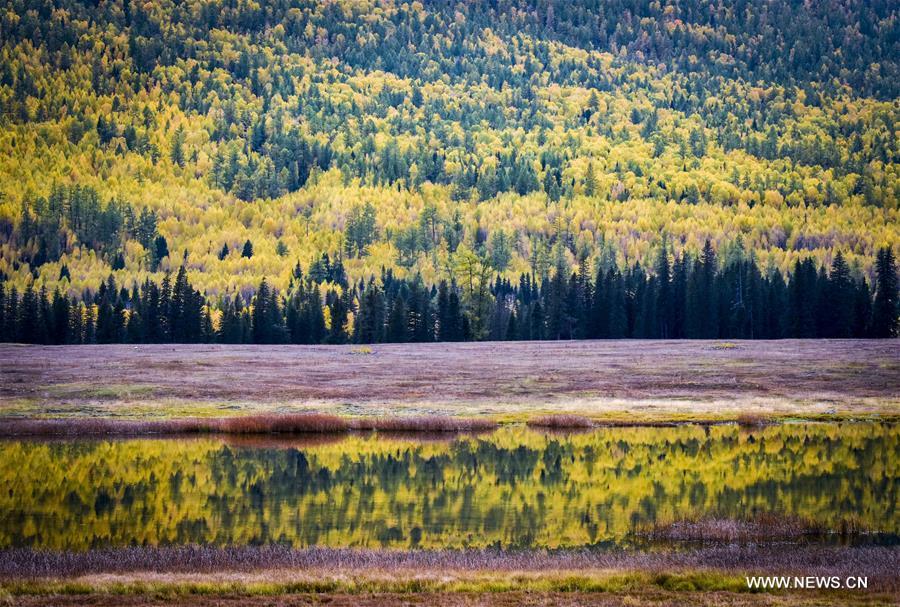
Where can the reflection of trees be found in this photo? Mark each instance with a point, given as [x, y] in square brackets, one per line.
[515, 488]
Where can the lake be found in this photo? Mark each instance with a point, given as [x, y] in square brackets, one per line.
[515, 487]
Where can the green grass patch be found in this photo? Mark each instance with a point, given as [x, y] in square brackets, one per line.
[100, 392]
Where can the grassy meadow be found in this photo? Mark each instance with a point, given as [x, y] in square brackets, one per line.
[605, 381]
[617, 473]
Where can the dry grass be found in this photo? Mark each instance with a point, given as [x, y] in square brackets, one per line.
[651, 597]
[622, 381]
[752, 420]
[881, 562]
[278, 575]
[765, 527]
[300, 423]
[561, 421]
[424, 423]
[280, 424]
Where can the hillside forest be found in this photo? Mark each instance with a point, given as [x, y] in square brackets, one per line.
[307, 171]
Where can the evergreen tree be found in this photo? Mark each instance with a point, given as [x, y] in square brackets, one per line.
[664, 305]
[590, 181]
[396, 329]
[885, 307]
[160, 251]
[839, 298]
[802, 302]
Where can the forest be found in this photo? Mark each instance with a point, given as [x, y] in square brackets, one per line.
[584, 169]
[692, 298]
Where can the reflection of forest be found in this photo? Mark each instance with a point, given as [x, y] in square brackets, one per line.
[513, 488]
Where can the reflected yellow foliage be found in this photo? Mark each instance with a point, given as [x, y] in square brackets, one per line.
[516, 487]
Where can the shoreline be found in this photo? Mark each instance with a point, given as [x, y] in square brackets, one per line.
[305, 424]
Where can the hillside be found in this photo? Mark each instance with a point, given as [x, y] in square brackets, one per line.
[395, 133]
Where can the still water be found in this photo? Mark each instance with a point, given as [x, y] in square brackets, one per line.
[514, 487]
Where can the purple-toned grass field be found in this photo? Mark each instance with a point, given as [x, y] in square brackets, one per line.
[880, 562]
[629, 380]
[277, 575]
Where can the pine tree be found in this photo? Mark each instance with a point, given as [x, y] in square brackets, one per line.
[885, 306]
[160, 251]
[338, 308]
[702, 293]
[664, 303]
[618, 316]
[537, 322]
[28, 331]
[369, 322]
[590, 181]
[803, 299]
[60, 314]
[838, 309]
[262, 331]
[679, 312]
[230, 326]
[396, 329]
[176, 153]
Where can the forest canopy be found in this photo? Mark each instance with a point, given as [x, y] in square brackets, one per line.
[237, 139]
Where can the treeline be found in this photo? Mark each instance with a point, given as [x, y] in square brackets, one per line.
[694, 298]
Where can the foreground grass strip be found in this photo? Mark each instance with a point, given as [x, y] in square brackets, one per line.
[478, 583]
[23, 564]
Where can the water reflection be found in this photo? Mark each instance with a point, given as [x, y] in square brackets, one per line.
[514, 487]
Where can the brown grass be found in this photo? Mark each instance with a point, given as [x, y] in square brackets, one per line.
[561, 421]
[752, 420]
[300, 423]
[423, 423]
[758, 528]
[280, 424]
[875, 561]
[651, 597]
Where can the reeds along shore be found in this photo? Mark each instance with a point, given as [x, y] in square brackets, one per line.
[878, 562]
[323, 423]
[250, 424]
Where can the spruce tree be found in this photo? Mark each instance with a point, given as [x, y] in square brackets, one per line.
[885, 306]
[839, 300]
[160, 251]
[664, 304]
[396, 329]
[262, 331]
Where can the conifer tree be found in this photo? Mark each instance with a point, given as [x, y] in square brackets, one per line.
[839, 300]
[885, 307]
